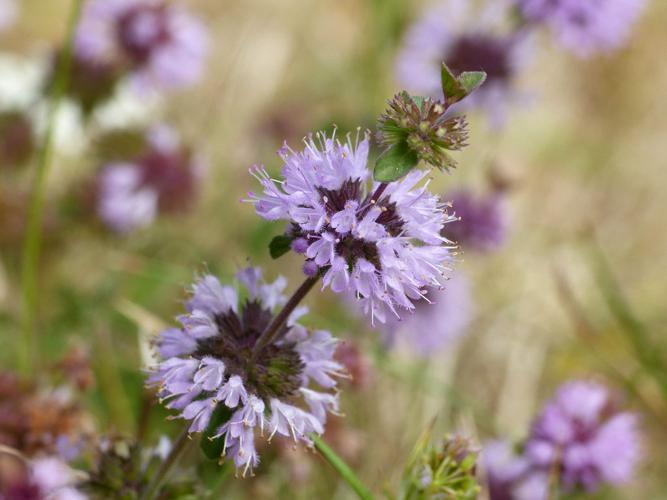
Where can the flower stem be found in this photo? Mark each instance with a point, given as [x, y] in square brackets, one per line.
[342, 468]
[154, 487]
[32, 243]
[273, 329]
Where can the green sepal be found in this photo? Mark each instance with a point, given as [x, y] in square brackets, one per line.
[471, 80]
[280, 245]
[457, 88]
[395, 163]
[212, 448]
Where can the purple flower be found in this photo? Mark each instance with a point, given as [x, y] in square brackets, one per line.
[381, 244]
[482, 220]
[432, 327]
[162, 46]
[580, 434]
[207, 363]
[46, 477]
[586, 27]
[8, 13]
[164, 179]
[454, 32]
[581, 430]
[509, 475]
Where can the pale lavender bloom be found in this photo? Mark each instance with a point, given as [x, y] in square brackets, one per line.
[435, 326]
[8, 13]
[163, 46]
[508, 474]
[586, 27]
[207, 368]
[466, 39]
[592, 441]
[483, 220]
[131, 194]
[383, 246]
[47, 478]
[123, 204]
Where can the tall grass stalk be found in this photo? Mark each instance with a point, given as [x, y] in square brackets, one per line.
[33, 235]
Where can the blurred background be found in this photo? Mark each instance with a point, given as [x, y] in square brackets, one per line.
[576, 288]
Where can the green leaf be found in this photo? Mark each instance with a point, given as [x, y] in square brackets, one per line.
[279, 246]
[451, 86]
[394, 163]
[456, 88]
[213, 448]
[471, 80]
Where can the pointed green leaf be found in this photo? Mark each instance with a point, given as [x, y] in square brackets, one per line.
[213, 448]
[451, 86]
[394, 163]
[471, 80]
[279, 246]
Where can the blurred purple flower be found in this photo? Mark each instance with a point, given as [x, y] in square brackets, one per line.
[164, 179]
[163, 46]
[508, 474]
[586, 27]
[383, 245]
[454, 32]
[47, 477]
[591, 441]
[8, 13]
[483, 220]
[579, 434]
[207, 362]
[432, 327]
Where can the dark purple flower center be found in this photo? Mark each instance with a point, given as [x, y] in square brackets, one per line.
[480, 53]
[348, 246]
[141, 30]
[170, 174]
[23, 490]
[276, 372]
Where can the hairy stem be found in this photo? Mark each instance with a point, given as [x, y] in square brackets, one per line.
[32, 243]
[273, 329]
[154, 487]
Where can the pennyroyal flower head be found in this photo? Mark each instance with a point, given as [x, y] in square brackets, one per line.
[212, 363]
[157, 42]
[380, 241]
[583, 432]
[164, 178]
[482, 220]
[585, 27]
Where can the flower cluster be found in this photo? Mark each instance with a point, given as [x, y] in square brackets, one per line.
[426, 128]
[36, 422]
[580, 434]
[212, 363]
[163, 179]
[384, 245]
[482, 222]
[453, 32]
[160, 45]
[43, 478]
[585, 27]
